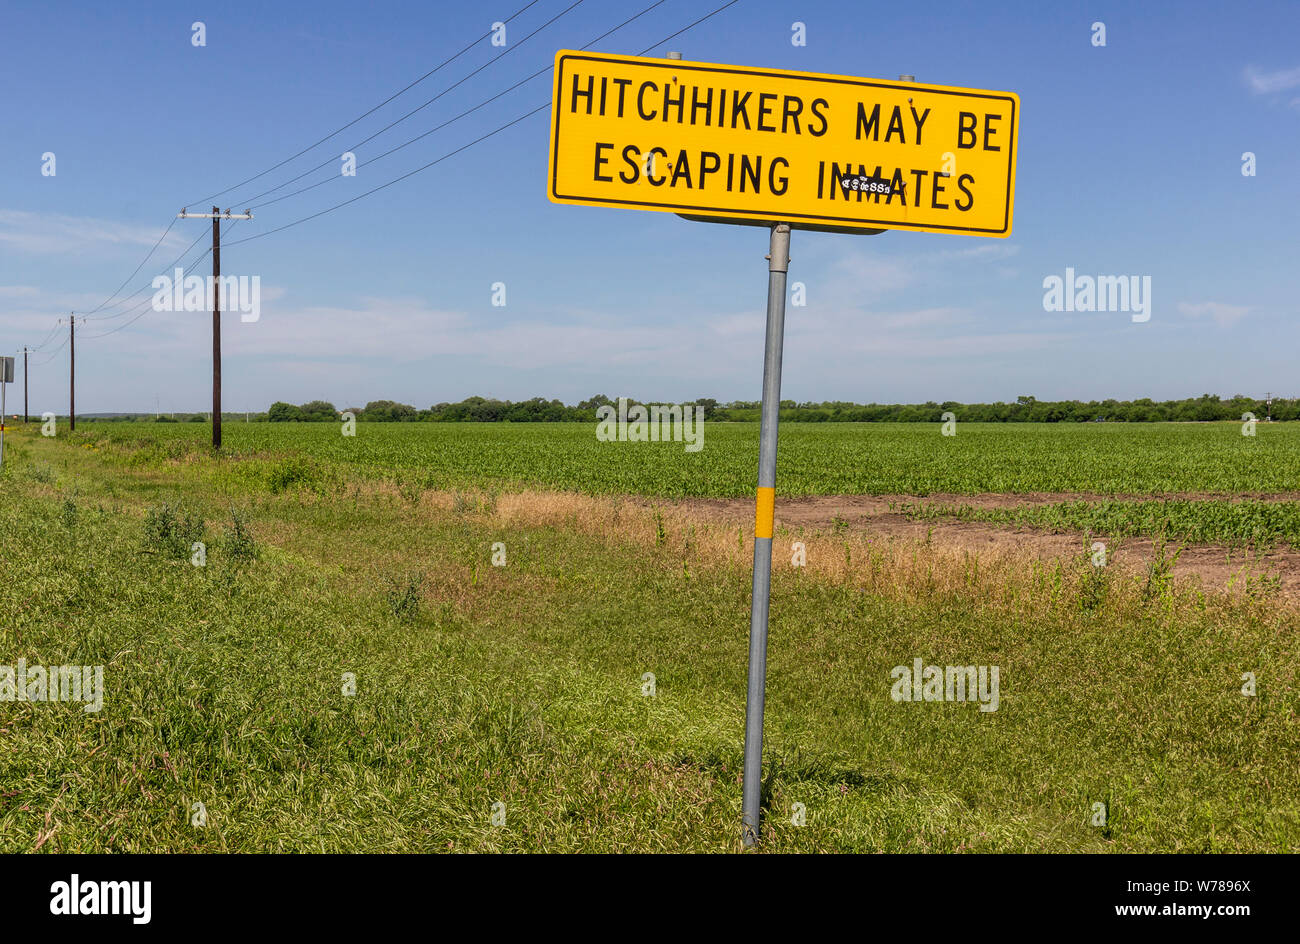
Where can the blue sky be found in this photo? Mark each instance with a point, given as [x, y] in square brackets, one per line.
[1129, 163]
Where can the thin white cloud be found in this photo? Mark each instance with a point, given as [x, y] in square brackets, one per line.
[860, 280]
[50, 233]
[730, 326]
[873, 276]
[989, 249]
[1268, 83]
[406, 330]
[922, 318]
[1223, 315]
[969, 345]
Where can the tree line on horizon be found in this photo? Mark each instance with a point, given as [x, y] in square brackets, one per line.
[1205, 408]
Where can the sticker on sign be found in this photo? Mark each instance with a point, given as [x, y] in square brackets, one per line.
[742, 145]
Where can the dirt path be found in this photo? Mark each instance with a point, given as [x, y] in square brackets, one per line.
[1217, 567]
[822, 510]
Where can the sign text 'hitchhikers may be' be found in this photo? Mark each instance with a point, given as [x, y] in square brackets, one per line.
[764, 146]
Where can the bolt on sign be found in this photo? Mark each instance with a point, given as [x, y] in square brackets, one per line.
[761, 146]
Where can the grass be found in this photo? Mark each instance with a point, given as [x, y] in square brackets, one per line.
[522, 685]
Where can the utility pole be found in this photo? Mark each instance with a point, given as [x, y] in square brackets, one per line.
[216, 216]
[72, 376]
[6, 378]
[1269, 401]
[216, 330]
[24, 385]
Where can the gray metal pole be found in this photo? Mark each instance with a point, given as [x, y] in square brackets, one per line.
[777, 267]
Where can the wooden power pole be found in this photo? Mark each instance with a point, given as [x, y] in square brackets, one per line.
[72, 375]
[24, 385]
[216, 330]
[216, 216]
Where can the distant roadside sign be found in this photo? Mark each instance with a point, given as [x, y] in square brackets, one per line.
[816, 151]
[6, 370]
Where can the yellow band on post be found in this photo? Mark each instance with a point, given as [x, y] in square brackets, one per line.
[765, 503]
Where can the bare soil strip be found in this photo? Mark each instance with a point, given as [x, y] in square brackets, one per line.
[1217, 567]
[822, 510]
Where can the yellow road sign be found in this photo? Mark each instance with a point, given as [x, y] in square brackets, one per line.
[764, 145]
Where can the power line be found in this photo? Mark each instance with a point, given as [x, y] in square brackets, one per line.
[46, 340]
[509, 49]
[146, 307]
[688, 28]
[59, 323]
[486, 101]
[172, 222]
[143, 310]
[126, 301]
[396, 180]
[137, 268]
[440, 65]
[483, 137]
[52, 354]
[138, 313]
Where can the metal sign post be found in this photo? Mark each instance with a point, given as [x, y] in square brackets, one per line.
[778, 265]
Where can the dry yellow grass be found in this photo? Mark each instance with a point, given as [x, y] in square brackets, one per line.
[898, 567]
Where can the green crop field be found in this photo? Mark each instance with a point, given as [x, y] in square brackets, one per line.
[1212, 461]
[814, 459]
